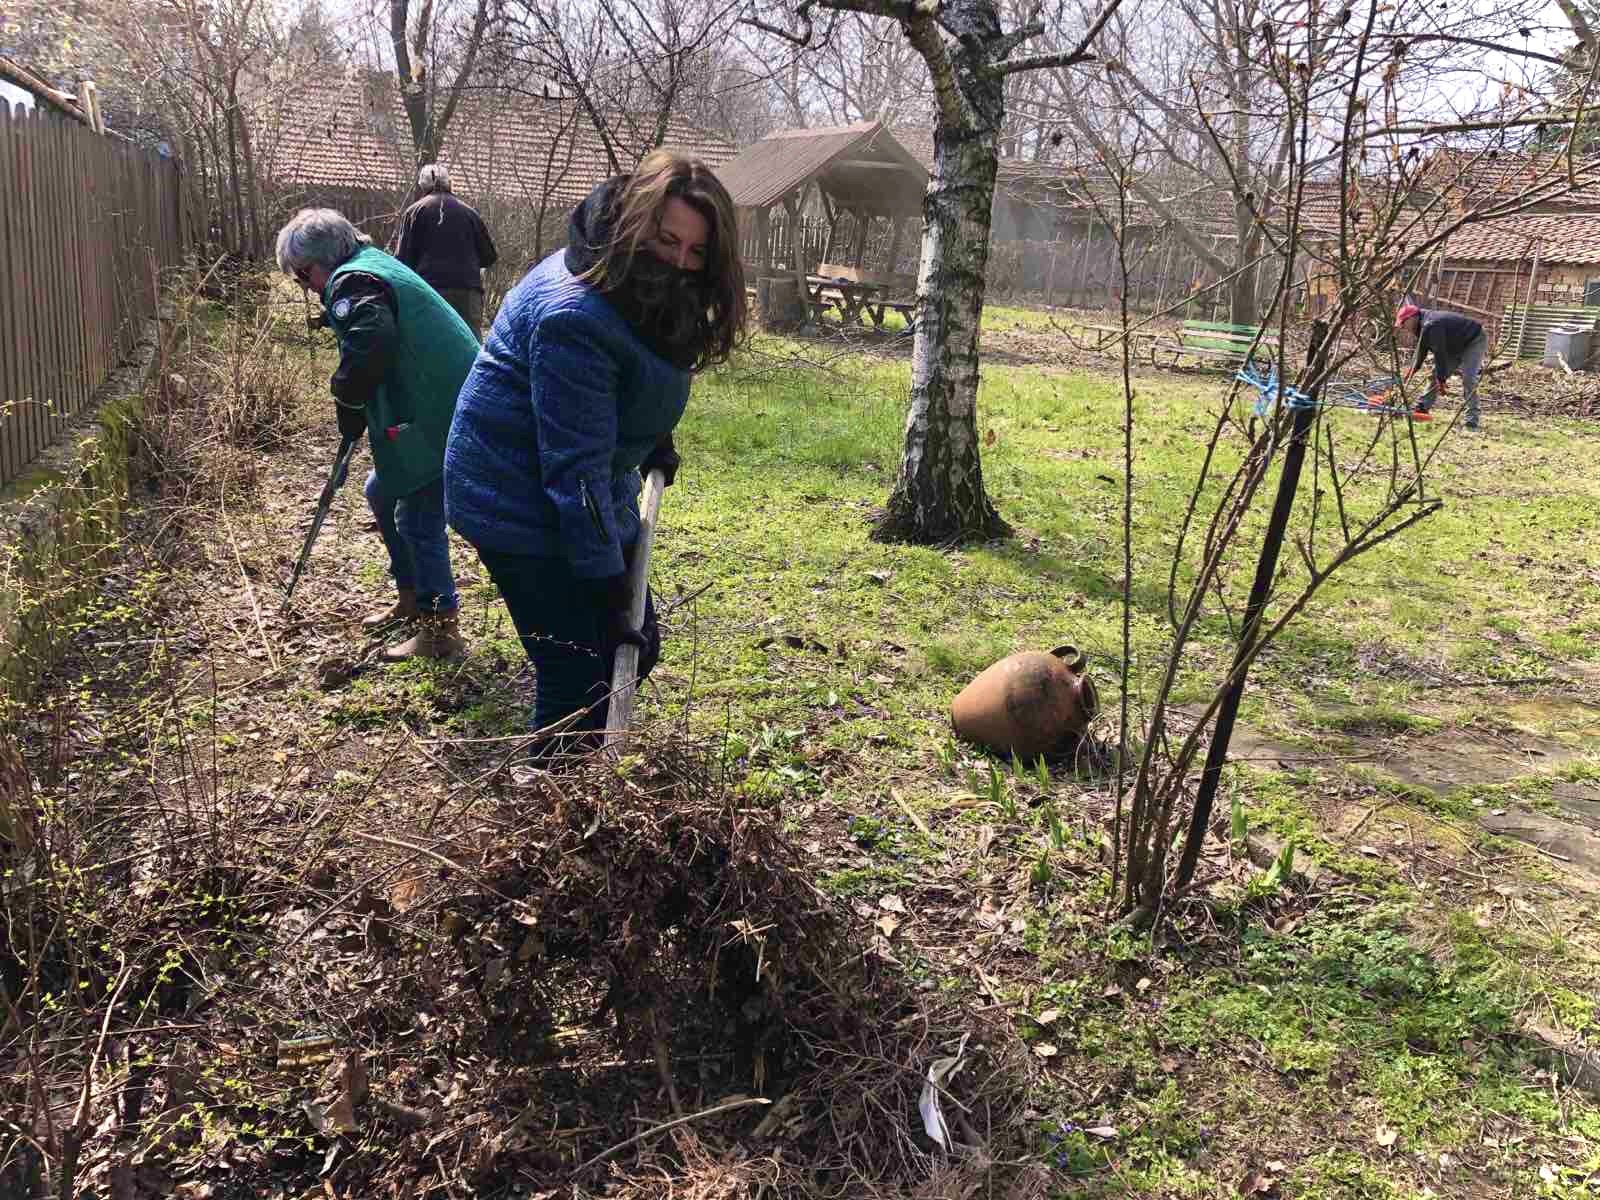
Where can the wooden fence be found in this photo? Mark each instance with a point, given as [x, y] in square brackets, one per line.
[86, 222]
[1079, 268]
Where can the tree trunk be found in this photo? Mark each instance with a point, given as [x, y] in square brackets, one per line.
[938, 496]
[252, 190]
[1242, 298]
[235, 191]
[797, 248]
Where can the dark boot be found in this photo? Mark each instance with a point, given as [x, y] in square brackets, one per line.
[438, 636]
[403, 609]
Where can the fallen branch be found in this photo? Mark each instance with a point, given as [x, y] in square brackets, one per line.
[666, 1125]
[72, 1139]
[249, 588]
[1371, 812]
[1524, 681]
[916, 818]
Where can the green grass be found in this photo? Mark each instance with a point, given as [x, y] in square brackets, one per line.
[1000, 318]
[782, 473]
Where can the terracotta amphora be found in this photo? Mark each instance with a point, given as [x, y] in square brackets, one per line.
[1028, 704]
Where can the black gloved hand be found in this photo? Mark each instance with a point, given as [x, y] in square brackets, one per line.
[615, 598]
[352, 421]
[663, 458]
[314, 323]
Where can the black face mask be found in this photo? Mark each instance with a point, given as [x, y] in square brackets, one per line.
[666, 306]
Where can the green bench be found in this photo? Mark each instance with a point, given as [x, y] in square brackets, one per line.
[1215, 340]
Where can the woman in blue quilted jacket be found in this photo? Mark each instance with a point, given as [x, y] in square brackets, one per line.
[575, 392]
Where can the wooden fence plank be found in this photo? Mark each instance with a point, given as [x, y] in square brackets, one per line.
[11, 458]
[75, 288]
[33, 342]
[54, 281]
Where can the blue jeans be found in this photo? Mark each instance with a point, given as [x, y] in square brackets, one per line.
[419, 549]
[561, 621]
[1471, 366]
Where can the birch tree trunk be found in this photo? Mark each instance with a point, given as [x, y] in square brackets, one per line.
[939, 494]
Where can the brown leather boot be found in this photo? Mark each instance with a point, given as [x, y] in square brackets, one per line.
[403, 609]
[438, 636]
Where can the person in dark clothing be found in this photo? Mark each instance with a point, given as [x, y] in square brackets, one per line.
[447, 243]
[580, 383]
[403, 354]
[1458, 345]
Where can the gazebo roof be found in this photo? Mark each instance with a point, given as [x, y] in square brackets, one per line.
[858, 166]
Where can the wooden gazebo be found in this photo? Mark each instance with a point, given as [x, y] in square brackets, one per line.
[858, 169]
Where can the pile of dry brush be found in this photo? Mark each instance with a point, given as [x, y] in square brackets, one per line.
[504, 1010]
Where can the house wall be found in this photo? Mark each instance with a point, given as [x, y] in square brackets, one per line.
[1564, 283]
[1485, 289]
[1482, 289]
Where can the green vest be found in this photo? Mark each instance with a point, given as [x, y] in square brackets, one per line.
[409, 418]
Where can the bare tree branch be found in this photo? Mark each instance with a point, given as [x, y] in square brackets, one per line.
[1079, 53]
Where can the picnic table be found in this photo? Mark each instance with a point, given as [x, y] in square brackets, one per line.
[857, 293]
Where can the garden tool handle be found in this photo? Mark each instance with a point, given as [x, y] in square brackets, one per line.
[341, 465]
[625, 666]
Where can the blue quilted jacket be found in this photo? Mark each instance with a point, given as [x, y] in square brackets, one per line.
[562, 405]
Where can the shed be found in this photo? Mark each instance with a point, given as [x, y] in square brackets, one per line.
[1494, 270]
[858, 169]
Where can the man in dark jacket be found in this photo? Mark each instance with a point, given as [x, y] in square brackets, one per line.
[445, 242]
[1458, 345]
[403, 354]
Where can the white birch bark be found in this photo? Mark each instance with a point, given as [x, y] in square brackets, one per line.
[938, 494]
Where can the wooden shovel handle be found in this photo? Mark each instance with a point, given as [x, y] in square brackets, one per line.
[625, 666]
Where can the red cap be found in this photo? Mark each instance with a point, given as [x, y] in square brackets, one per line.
[1407, 311]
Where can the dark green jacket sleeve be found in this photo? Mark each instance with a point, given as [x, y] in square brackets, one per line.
[361, 313]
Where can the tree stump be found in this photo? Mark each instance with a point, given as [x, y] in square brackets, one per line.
[781, 304]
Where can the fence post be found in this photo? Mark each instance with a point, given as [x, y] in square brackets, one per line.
[1081, 294]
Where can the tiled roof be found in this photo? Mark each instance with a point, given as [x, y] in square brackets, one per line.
[512, 147]
[1560, 237]
[777, 165]
[918, 139]
[1319, 213]
[1472, 180]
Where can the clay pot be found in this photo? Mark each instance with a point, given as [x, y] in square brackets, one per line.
[1028, 704]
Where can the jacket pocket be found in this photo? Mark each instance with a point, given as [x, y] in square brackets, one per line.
[594, 509]
[412, 451]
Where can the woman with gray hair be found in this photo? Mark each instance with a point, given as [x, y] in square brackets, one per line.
[403, 355]
[433, 178]
[447, 243]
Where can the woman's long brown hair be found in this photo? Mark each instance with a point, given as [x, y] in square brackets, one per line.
[644, 197]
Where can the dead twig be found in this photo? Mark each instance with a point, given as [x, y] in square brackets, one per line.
[1524, 681]
[1371, 812]
[72, 1138]
[730, 1106]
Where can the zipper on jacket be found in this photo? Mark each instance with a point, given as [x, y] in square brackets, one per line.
[594, 509]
